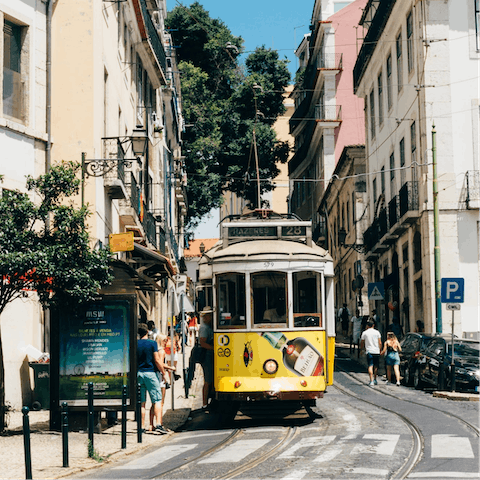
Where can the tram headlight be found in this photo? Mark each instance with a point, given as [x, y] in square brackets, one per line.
[270, 366]
[237, 384]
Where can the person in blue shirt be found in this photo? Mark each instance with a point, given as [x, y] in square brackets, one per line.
[148, 361]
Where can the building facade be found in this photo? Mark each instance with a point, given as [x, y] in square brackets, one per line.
[328, 118]
[417, 72]
[23, 146]
[96, 82]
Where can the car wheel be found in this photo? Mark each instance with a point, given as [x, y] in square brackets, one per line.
[417, 382]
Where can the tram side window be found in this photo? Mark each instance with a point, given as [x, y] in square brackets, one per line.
[306, 304]
[231, 300]
[269, 298]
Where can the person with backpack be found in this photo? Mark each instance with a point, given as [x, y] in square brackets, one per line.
[344, 316]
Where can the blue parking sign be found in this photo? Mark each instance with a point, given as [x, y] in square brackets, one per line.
[452, 290]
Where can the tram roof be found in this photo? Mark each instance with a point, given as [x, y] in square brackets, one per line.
[259, 250]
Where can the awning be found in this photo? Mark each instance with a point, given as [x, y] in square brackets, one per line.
[150, 266]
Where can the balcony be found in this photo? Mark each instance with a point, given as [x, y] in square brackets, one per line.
[114, 180]
[328, 115]
[375, 30]
[408, 197]
[129, 208]
[154, 38]
[472, 185]
[150, 228]
[300, 113]
[301, 153]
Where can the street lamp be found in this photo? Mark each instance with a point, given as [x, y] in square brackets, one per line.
[202, 248]
[99, 167]
[342, 236]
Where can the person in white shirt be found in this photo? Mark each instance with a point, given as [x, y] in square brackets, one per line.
[371, 341]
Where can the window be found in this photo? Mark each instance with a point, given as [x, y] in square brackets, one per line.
[372, 114]
[380, 98]
[382, 179]
[392, 167]
[353, 208]
[477, 22]
[13, 83]
[410, 42]
[389, 81]
[269, 302]
[307, 305]
[374, 190]
[231, 300]
[402, 160]
[413, 141]
[399, 61]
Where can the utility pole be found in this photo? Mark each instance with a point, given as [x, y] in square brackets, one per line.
[438, 301]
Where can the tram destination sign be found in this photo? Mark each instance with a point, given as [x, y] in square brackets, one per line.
[267, 231]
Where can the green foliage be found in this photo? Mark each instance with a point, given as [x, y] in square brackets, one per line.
[224, 103]
[44, 244]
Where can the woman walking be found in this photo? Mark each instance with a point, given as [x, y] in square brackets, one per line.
[390, 349]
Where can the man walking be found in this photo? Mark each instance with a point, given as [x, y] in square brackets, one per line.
[148, 358]
[371, 341]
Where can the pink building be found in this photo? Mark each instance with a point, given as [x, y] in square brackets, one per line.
[328, 116]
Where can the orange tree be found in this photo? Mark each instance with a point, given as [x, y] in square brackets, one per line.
[45, 248]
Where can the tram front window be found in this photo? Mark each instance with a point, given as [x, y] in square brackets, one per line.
[306, 300]
[269, 298]
[231, 300]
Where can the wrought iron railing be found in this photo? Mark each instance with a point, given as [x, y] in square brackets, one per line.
[393, 211]
[375, 30]
[134, 194]
[328, 113]
[382, 222]
[300, 113]
[149, 226]
[174, 246]
[330, 61]
[472, 179]
[408, 197]
[162, 241]
[153, 36]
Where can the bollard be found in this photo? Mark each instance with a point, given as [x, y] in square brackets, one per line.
[91, 419]
[26, 443]
[65, 433]
[124, 417]
[139, 413]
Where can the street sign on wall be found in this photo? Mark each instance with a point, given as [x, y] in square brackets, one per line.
[452, 290]
[376, 291]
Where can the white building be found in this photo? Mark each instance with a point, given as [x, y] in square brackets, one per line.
[23, 147]
[419, 68]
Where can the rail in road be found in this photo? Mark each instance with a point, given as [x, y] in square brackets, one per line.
[443, 441]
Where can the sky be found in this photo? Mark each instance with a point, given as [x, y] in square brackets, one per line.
[278, 24]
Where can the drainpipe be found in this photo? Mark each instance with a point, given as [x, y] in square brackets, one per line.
[48, 105]
[438, 302]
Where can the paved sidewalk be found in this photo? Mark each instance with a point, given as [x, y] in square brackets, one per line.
[46, 446]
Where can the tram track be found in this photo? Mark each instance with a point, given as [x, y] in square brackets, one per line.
[418, 439]
[284, 442]
[204, 454]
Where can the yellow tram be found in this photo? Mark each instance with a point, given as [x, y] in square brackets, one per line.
[273, 301]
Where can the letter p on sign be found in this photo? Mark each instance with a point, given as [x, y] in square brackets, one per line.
[452, 290]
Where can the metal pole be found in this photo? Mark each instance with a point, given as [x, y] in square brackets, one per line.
[436, 229]
[65, 433]
[124, 417]
[139, 414]
[172, 348]
[91, 418]
[83, 178]
[26, 443]
[452, 364]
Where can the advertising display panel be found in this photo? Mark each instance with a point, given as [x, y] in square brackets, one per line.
[97, 345]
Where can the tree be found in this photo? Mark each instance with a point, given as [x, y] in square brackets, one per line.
[229, 109]
[45, 247]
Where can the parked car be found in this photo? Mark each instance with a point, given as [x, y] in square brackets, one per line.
[433, 365]
[412, 345]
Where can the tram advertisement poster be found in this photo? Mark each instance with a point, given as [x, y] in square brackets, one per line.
[95, 347]
[297, 353]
